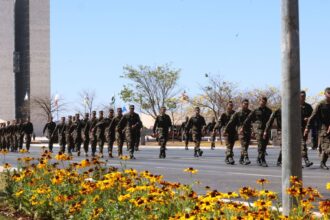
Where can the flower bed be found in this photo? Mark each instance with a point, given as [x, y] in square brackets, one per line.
[93, 190]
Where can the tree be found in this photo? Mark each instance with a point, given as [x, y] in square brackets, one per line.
[86, 101]
[48, 105]
[272, 93]
[150, 88]
[215, 95]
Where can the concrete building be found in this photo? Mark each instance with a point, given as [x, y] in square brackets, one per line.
[25, 69]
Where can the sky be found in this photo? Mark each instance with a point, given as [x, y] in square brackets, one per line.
[91, 41]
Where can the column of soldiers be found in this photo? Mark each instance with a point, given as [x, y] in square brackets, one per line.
[96, 132]
[13, 134]
[233, 125]
[241, 124]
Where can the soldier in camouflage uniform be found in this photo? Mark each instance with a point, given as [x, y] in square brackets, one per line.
[49, 127]
[28, 132]
[77, 134]
[8, 136]
[185, 135]
[236, 122]
[110, 132]
[230, 133]
[138, 137]
[209, 128]
[131, 123]
[20, 134]
[69, 135]
[14, 131]
[322, 114]
[85, 125]
[276, 115]
[100, 132]
[306, 112]
[197, 126]
[260, 116]
[92, 133]
[162, 125]
[59, 131]
[120, 136]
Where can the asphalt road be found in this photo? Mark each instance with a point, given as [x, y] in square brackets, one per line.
[213, 171]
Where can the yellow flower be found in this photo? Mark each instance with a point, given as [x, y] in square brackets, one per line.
[6, 165]
[85, 163]
[96, 198]
[324, 207]
[262, 181]
[328, 186]
[4, 151]
[190, 170]
[19, 193]
[22, 151]
[62, 156]
[96, 213]
[230, 195]
[247, 192]
[125, 197]
[124, 158]
[262, 204]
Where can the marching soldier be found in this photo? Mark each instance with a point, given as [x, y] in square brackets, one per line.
[230, 134]
[20, 134]
[306, 112]
[131, 123]
[138, 137]
[119, 134]
[68, 135]
[197, 125]
[185, 135]
[110, 132]
[92, 133]
[209, 128]
[59, 131]
[162, 125]
[236, 122]
[77, 138]
[260, 116]
[85, 124]
[276, 115]
[28, 131]
[49, 128]
[100, 132]
[322, 114]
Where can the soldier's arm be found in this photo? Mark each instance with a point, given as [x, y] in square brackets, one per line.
[314, 116]
[250, 118]
[188, 125]
[270, 121]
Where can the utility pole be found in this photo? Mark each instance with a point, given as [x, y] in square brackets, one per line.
[291, 115]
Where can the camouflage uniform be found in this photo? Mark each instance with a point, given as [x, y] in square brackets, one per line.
[322, 114]
[119, 134]
[92, 135]
[185, 134]
[260, 116]
[59, 131]
[77, 135]
[69, 137]
[196, 124]
[209, 128]
[85, 126]
[28, 131]
[162, 124]
[50, 127]
[236, 122]
[276, 115]
[110, 133]
[231, 136]
[131, 123]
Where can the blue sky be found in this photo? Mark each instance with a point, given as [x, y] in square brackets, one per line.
[91, 41]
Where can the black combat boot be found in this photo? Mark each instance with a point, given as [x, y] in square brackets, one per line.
[241, 159]
[279, 159]
[323, 161]
[246, 160]
[200, 152]
[231, 161]
[307, 162]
